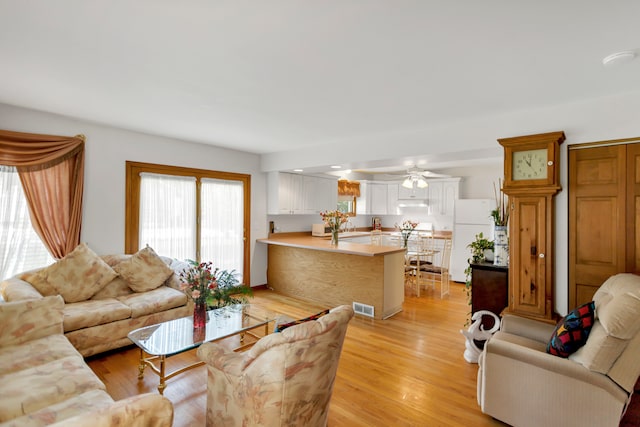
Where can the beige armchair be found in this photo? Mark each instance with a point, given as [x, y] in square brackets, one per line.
[285, 379]
[521, 384]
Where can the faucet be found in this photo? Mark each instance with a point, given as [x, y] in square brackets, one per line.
[348, 225]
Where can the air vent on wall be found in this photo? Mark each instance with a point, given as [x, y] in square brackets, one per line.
[364, 309]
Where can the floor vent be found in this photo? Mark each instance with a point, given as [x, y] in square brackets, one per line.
[364, 309]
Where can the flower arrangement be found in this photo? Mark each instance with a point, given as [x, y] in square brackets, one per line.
[213, 287]
[500, 214]
[406, 229]
[334, 219]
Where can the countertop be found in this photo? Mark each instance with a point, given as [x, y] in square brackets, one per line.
[304, 240]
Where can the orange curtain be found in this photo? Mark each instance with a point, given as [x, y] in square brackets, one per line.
[348, 188]
[51, 170]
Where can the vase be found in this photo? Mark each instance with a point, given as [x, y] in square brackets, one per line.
[500, 246]
[199, 334]
[334, 237]
[199, 315]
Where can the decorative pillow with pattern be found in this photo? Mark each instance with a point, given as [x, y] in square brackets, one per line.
[572, 331]
[144, 271]
[77, 276]
[283, 326]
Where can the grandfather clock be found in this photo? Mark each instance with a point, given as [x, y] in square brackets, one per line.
[531, 180]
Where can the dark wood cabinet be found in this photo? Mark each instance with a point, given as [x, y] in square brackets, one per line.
[489, 290]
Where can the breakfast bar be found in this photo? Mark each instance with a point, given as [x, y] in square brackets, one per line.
[312, 268]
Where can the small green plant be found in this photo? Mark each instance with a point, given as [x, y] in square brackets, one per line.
[478, 246]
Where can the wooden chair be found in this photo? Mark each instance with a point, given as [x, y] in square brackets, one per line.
[432, 274]
[420, 253]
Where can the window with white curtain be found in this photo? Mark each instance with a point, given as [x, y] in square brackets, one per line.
[168, 214]
[222, 228]
[20, 247]
[187, 213]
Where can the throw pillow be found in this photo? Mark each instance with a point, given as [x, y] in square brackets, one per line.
[572, 331]
[144, 271]
[283, 326]
[77, 276]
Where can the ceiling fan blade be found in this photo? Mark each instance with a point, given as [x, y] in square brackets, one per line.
[429, 174]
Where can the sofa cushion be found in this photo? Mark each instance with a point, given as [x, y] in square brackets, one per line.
[15, 289]
[34, 353]
[85, 314]
[572, 331]
[32, 389]
[157, 300]
[600, 351]
[76, 277]
[28, 320]
[144, 271]
[116, 288]
[83, 403]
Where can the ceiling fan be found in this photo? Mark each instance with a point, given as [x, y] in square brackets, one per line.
[416, 177]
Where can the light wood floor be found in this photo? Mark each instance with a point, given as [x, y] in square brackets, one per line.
[404, 371]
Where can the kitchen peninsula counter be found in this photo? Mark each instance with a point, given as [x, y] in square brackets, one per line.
[313, 269]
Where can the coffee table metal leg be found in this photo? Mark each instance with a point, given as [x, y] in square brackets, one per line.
[162, 384]
[141, 366]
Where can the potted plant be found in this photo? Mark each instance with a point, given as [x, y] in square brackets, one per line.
[478, 247]
[211, 288]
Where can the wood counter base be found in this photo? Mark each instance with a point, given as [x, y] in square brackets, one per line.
[333, 278]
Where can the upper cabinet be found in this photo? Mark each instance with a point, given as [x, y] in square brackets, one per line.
[384, 198]
[442, 196]
[374, 198]
[289, 193]
[320, 194]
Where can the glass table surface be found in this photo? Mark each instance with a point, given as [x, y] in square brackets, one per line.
[176, 336]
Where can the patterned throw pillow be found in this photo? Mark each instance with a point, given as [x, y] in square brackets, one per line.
[283, 326]
[572, 331]
[144, 271]
[77, 276]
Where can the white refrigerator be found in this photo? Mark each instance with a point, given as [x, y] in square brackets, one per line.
[470, 217]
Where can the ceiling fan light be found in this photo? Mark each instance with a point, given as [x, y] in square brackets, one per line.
[407, 183]
[422, 183]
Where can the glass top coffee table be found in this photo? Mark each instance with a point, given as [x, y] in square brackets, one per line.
[157, 342]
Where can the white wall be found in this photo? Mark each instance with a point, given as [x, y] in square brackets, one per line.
[107, 150]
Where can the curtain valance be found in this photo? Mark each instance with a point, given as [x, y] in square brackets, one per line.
[30, 151]
[51, 170]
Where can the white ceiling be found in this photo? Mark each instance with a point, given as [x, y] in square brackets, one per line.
[278, 76]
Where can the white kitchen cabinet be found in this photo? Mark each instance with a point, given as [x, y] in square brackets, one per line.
[392, 199]
[374, 199]
[378, 201]
[363, 202]
[442, 196]
[284, 193]
[319, 194]
[289, 193]
[450, 193]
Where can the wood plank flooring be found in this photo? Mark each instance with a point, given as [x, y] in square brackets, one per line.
[404, 371]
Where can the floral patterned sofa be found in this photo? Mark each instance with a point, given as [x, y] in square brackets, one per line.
[45, 381]
[106, 297]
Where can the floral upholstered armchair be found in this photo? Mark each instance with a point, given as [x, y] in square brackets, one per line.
[286, 378]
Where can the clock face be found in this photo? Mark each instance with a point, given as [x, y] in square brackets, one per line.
[529, 164]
